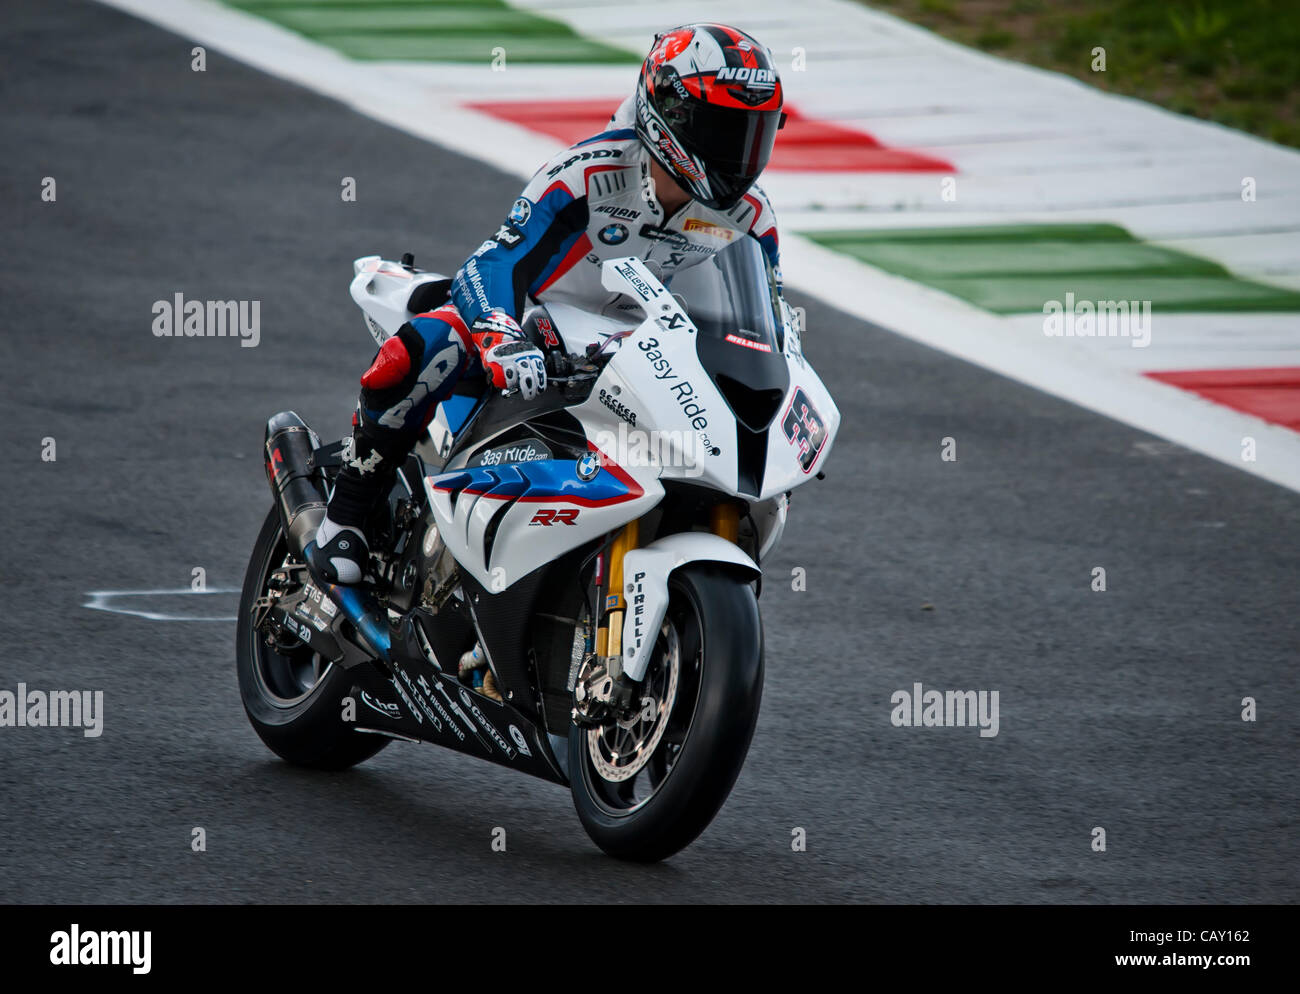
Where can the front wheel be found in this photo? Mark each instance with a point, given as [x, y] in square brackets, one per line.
[646, 788]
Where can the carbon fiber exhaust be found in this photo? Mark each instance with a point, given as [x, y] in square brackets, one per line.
[299, 492]
[295, 483]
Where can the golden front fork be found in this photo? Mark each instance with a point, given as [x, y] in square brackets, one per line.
[724, 521]
[609, 637]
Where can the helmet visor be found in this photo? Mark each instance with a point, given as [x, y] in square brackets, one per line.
[733, 143]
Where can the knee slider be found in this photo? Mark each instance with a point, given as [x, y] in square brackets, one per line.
[393, 374]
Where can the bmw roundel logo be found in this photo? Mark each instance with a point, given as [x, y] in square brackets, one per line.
[588, 466]
[613, 234]
[520, 212]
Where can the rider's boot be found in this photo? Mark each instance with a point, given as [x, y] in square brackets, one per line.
[413, 370]
[341, 553]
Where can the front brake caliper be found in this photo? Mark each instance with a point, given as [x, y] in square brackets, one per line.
[603, 693]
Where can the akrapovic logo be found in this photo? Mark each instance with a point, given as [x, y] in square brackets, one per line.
[428, 695]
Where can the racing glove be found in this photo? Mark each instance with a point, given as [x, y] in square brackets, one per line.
[510, 360]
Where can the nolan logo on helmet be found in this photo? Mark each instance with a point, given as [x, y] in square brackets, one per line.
[753, 78]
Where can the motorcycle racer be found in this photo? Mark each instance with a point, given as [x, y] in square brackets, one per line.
[670, 180]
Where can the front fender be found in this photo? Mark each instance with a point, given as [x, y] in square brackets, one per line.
[645, 577]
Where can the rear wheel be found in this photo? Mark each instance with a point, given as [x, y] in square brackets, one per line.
[646, 788]
[293, 697]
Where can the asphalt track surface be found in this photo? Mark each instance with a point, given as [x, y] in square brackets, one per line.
[1118, 709]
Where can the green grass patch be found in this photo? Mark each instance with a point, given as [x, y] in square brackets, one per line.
[434, 30]
[1012, 269]
[1236, 62]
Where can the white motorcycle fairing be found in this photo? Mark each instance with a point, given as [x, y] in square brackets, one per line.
[645, 576]
[383, 290]
[503, 522]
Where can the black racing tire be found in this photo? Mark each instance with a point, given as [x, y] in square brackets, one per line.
[300, 722]
[715, 711]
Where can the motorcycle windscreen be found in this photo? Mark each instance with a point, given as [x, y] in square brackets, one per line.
[732, 292]
[731, 297]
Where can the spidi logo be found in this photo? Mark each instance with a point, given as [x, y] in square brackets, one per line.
[77, 948]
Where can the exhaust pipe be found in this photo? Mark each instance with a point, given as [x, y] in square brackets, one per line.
[297, 486]
[300, 498]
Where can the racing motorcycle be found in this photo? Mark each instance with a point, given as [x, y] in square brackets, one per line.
[566, 585]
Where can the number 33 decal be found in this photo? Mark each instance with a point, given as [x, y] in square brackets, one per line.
[804, 429]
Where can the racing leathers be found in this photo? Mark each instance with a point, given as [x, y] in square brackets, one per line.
[591, 202]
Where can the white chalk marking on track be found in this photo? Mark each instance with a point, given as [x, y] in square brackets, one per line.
[101, 600]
